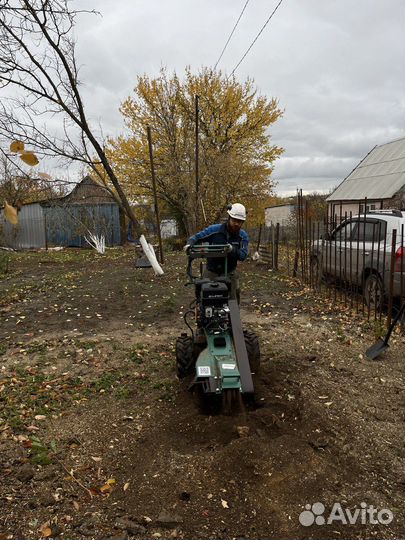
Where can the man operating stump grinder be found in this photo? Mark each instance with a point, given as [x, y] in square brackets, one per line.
[221, 355]
[230, 233]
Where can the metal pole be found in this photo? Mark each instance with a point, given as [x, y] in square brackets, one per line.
[391, 282]
[197, 172]
[259, 238]
[152, 168]
[277, 242]
[297, 238]
[45, 230]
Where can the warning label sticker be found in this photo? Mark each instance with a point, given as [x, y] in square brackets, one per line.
[204, 371]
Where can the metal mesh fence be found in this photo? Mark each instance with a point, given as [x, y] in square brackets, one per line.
[357, 260]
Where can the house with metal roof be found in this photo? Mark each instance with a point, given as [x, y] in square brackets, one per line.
[379, 178]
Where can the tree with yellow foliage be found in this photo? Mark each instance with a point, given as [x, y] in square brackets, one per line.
[235, 149]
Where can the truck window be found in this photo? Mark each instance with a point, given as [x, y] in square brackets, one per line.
[369, 231]
[343, 232]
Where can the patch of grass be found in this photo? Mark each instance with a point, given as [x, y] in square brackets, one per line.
[139, 346]
[136, 357]
[87, 344]
[15, 422]
[379, 329]
[4, 262]
[27, 395]
[168, 305]
[123, 392]
[340, 334]
[166, 386]
[116, 346]
[137, 353]
[106, 381]
[36, 347]
[20, 371]
[41, 454]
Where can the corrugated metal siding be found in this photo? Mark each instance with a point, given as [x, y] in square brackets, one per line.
[66, 226]
[30, 231]
[379, 176]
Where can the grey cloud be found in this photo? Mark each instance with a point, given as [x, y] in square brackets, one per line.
[337, 68]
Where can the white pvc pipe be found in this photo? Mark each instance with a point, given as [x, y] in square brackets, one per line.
[150, 255]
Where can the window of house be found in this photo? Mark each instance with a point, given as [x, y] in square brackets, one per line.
[369, 207]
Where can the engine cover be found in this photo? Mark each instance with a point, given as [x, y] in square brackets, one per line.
[214, 294]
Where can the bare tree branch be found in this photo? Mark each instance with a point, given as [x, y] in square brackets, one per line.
[38, 64]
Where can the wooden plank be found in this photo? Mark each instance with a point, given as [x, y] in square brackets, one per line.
[265, 255]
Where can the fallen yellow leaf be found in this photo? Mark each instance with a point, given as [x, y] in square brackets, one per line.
[106, 489]
[45, 176]
[46, 531]
[16, 146]
[29, 158]
[10, 213]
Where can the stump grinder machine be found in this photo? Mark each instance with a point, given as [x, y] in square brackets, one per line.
[219, 354]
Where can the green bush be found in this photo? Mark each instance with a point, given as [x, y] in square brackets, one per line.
[4, 261]
[173, 244]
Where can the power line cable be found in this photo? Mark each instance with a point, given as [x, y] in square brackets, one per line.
[231, 34]
[254, 41]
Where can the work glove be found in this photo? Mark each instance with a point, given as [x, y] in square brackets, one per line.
[228, 248]
[186, 248]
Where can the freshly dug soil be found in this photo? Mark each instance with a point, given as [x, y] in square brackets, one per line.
[99, 439]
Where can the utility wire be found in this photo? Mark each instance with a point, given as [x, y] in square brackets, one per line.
[254, 41]
[231, 34]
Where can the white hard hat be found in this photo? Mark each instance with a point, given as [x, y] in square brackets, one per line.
[237, 211]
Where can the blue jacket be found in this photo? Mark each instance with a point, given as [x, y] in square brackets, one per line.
[219, 234]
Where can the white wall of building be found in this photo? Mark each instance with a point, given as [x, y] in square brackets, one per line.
[278, 214]
[335, 212]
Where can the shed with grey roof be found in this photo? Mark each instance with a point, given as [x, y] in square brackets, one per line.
[65, 221]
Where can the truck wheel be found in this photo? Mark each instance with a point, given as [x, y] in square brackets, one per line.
[184, 355]
[374, 292]
[253, 350]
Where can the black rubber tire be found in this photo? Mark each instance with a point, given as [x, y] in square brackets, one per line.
[184, 356]
[253, 350]
[373, 292]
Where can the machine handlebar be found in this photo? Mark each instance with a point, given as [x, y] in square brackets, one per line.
[207, 251]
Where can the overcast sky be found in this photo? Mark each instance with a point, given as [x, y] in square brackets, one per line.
[337, 68]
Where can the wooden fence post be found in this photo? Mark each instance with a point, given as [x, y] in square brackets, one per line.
[277, 242]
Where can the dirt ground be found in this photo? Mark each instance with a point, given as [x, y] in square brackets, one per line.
[98, 439]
